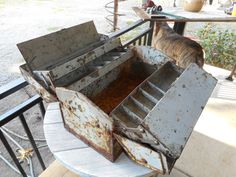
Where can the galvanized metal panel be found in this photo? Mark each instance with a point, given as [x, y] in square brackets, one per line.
[132, 111]
[100, 71]
[44, 93]
[60, 70]
[45, 51]
[87, 121]
[143, 155]
[172, 120]
[151, 55]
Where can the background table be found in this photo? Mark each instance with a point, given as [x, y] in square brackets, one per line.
[181, 17]
[81, 159]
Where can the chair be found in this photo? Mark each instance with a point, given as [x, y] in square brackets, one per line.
[55, 169]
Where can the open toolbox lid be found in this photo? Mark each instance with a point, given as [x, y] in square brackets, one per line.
[158, 117]
[45, 52]
[63, 57]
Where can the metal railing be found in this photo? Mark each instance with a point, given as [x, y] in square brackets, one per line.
[143, 38]
[18, 111]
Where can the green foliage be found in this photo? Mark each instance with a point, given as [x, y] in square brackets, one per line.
[219, 46]
[133, 33]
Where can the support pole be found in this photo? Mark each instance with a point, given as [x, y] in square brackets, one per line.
[30, 136]
[115, 20]
[13, 156]
[179, 27]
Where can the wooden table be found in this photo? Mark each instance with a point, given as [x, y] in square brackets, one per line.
[180, 17]
[81, 159]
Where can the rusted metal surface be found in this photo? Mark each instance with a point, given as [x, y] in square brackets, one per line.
[139, 94]
[75, 63]
[46, 51]
[151, 55]
[189, 95]
[63, 74]
[163, 110]
[42, 91]
[53, 67]
[102, 68]
[88, 121]
[143, 155]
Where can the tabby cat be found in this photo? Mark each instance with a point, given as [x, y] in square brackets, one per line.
[184, 50]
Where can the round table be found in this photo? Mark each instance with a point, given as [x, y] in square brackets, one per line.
[79, 157]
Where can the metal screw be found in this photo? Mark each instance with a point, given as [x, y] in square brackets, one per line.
[156, 142]
[124, 129]
[142, 130]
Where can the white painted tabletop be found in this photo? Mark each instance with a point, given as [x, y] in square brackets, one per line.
[81, 159]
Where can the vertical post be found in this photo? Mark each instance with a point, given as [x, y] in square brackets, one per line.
[115, 20]
[42, 109]
[145, 39]
[11, 153]
[140, 41]
[149, 42]
[174, 4]
[27, 130]
[179, 27]
[233, 72]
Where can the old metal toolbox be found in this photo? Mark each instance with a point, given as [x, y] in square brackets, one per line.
[57, 59]
[155, 121]
[112, 99]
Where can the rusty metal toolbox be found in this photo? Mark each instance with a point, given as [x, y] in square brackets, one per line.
[113, 99]
[155, 121]
[58, 59]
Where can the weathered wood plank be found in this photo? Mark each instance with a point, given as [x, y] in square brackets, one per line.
[141, 13]
[53, 111]
[55, 117]
[94, 164]
[58, 139]
[56, 169]
[53, 106]
[179, 15]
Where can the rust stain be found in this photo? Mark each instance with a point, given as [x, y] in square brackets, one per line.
[144, 161]
[107, 154]
[118, 90]
[90, 53]
[81, 108]
[138, 135]
[106, 146]
[100, 131]
[71, 110]
[82, 80]
[95, 74]
[141, 161]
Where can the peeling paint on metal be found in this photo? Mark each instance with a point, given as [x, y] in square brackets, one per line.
[92, 125]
